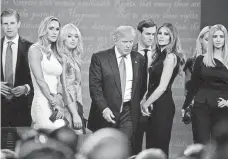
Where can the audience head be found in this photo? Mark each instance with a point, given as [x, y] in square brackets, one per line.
[10, 21]
[48, 30]
[105, 143]
[67, 136]
[152, 153]
[123, 38]
[42, 146]
[202, 41]
[195, 151]
[217, 41]
[146, 31]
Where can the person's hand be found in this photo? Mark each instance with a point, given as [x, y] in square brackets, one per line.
[19, 91]
[222, 103]
[77, 121]
[5, 90]
[182, 112]
[60, 113]
[146, 111]
[52, 100]
[108, 115]
[59, 100]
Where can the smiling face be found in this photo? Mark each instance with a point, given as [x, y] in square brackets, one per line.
[218, 39]
[71, 39]
[10, 26]
[163, 36]
[53, 31]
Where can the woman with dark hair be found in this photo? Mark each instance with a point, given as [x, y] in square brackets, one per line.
[158, 103]
[209, 86]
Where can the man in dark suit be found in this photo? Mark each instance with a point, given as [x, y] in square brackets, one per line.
[146, 32]
[16, 85]
[115, 85]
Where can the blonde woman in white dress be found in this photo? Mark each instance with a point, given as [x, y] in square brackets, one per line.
[45, 70]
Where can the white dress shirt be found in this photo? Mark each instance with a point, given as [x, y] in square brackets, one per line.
[14, 47]
[149, 53]
[129, 75]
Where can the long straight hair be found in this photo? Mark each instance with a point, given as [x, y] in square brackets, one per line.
[174, 46]
[199, 45]
[208, 59]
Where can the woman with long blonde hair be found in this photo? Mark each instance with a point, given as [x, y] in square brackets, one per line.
[70, 48]
[45, 71]
[209, 86]
[201, 49]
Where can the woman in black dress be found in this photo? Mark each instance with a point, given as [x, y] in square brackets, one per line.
[159, 96]
[209, 86]
[201, 49]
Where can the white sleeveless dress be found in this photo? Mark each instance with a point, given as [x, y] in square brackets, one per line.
[41, 109]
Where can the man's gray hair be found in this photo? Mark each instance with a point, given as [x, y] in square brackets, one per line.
[121, 31]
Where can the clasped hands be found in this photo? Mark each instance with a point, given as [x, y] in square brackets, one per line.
[146, 108]
[57, 104]
[17, 91]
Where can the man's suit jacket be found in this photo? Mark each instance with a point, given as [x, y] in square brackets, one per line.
[105, 88]
[144, 85]
[23, 103]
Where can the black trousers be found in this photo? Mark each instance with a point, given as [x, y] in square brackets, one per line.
[124, 124]
[142, 128]
[15, 115]
[204, 119]
[160, 123]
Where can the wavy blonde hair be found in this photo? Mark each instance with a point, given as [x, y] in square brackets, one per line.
[42, 35]
[61, 47]
[199, 46]
[175, 45]
[208, 59]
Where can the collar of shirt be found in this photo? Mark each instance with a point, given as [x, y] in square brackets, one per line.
[141, 48]
[118, 55]
[15, 40]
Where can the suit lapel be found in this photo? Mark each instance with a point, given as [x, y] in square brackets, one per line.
[2, 75]
[115, 69]
[19, 54]
[135, 67]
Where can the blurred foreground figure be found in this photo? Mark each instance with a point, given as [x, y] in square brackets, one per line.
[105, 143]
[67, 136]
[42, 146]
[152, 153]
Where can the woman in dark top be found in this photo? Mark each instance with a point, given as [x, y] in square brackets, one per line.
[209, 86]
[159, 96]
[201, 49]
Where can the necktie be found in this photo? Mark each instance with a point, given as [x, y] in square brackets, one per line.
[145, 70]
[9, 65]
[122, 70]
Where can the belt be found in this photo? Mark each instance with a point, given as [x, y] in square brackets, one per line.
[126, 103]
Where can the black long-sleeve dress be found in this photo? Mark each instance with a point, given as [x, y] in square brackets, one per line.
[207, 85]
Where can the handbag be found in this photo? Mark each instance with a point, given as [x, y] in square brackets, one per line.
[187, 118]
[53, 117]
